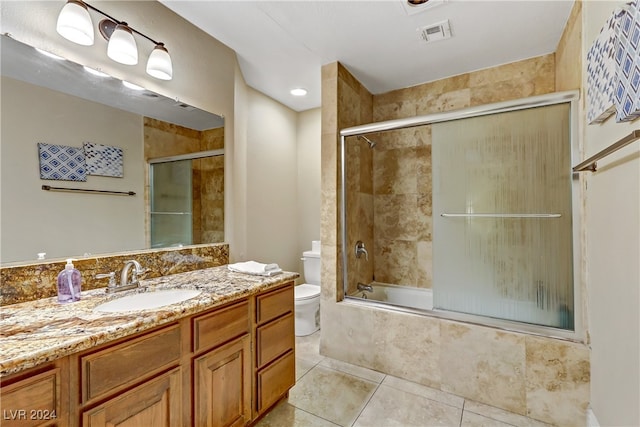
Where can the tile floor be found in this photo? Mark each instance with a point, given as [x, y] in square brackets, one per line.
[331, 393]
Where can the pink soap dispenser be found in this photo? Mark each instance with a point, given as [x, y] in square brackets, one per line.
[69, 283]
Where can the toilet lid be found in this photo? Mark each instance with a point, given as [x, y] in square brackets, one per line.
[306, 291]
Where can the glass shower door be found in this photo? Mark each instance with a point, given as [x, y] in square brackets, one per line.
[502, 237]
[171, 203]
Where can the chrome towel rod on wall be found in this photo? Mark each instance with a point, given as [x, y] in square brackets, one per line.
[590, 163]
[500, 215]
[85, 190]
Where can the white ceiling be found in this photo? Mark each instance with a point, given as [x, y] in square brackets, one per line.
[283, 44]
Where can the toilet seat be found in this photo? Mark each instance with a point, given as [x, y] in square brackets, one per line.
[306, 291]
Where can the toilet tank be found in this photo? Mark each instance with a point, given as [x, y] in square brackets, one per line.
[311, 265]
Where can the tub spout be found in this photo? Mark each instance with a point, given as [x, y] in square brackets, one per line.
[363, 287]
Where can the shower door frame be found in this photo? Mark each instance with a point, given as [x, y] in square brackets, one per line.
[568, 97]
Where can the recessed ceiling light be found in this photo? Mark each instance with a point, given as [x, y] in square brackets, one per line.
[298, 91]
[131, 85]
[49, 54]
[94, 71]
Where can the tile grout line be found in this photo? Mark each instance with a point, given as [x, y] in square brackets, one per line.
[368, 401]
[313, 415]
[464, 401]
[308, 370]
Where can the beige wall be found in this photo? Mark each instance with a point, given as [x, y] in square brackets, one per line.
[271, 182]
[308, 180]
[543, 378]
[613, 250]
[66, 224]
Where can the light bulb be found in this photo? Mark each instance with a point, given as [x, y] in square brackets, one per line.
[122, 46]
[159, 63]
[74, 23]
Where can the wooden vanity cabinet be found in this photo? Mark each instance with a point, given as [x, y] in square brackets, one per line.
[220, 368]
[153, 403]
[133, 382]
[36, 397]
[275, 347]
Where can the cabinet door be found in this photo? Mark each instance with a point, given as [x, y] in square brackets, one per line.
[222, 385]
[154, 403]
[34, 401]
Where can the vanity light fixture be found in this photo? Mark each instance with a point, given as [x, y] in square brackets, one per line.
[74, 24]
[298, 91]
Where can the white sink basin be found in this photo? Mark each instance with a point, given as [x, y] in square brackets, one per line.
[147, 300]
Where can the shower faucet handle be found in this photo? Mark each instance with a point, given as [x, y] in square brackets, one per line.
[360, 249]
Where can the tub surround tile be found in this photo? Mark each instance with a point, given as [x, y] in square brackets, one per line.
[333, 395]
[483, 364]
[393, 407]
[39, 331]
[396, 349]
[557, 381]
[350, 340]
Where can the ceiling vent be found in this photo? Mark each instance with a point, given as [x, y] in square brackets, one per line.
[435, 32]
[411, 7]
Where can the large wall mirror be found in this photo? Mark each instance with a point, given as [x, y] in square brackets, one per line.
[54, 102]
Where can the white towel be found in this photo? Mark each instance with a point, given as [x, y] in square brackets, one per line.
[255, 268]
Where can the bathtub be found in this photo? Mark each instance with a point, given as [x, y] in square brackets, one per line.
[402, 296]
[497, 308]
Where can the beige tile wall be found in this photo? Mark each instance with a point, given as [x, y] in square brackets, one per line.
[546, 379]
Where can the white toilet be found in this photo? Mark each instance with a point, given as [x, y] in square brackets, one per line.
[307, 296]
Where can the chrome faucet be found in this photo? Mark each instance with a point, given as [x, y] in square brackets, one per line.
[124, 277]
[360, 249]
[363, 287]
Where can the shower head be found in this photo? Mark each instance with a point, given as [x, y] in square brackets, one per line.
[370, 142]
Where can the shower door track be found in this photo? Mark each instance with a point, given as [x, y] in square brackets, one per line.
[571, 97]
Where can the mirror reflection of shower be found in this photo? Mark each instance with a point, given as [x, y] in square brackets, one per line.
[187, 199]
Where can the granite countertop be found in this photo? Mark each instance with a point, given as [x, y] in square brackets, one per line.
[35, 332]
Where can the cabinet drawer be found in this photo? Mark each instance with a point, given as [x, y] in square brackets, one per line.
[274, 304]
[275, 339]
[275, 380]
[154, 403]
[33, 401]
[210, 330]
[133, 360]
